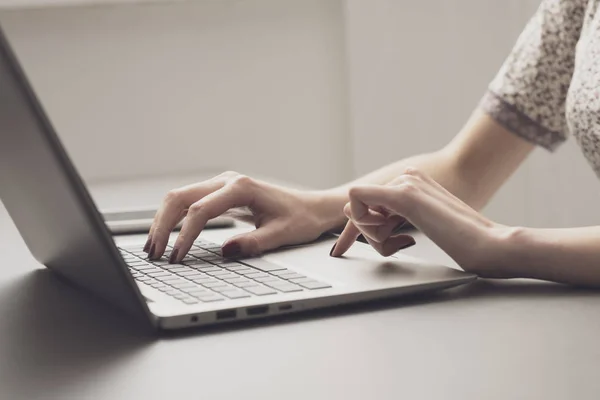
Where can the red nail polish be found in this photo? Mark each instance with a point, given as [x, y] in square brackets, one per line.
[231, 250]
[407, 245]
[332, 249]
[173, 258]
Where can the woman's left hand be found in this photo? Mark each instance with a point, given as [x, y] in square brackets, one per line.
[477, 244]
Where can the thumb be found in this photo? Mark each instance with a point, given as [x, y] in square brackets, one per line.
[254, 243]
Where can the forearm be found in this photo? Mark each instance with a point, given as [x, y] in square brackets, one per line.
[472, 167]
[570, 256]
[438, 165]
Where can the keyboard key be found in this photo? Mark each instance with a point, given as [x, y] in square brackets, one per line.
[136, 262]
[312, 284]
[260, 290]
[189, 273]
[158, 285]
[200, 253]
[198, 275]
[235, 294]
[171, 266]
[203, 280]
[179, 269]
[145, 267]
[227, 275]
[246, 284]
[217, 273]
[263, 265]
[236, 279]
[282, 272]
[246, 271]
[158, 274]
[285, 287]
[268, 278]
[292, 276]
[235, 267]
[183, 285]
[199, 292]
[257, 274]
[214, 284]
[190, 300]
[208, 269]
[197, 263]
[208, 299]
[222, 261]
[172, 279]
[221, 289]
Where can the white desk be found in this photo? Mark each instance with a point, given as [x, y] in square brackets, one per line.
[488, 340]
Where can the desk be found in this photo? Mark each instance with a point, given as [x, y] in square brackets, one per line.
[487, 340]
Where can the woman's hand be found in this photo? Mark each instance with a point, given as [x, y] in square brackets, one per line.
[477, 244]
[282, 216]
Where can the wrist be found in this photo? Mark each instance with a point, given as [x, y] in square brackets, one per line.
[328, 206]
[515, 244]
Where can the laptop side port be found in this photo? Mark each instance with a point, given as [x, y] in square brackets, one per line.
[257, 310]
[226, 314]
[285, 307]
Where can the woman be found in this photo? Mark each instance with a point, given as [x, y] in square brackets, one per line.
[547, 88]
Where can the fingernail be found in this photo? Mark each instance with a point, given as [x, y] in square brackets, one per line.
[147, 245]
[332, 249]
[152, 250]
[173, 258]
[407, 245]
[231, 250]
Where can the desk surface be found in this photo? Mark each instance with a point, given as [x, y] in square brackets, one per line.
[487, 340]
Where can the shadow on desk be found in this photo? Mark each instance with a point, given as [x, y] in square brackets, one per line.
[54, 337]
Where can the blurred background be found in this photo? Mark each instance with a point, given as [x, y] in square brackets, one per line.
[312, 92]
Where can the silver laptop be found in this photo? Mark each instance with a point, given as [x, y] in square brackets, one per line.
[63, 229]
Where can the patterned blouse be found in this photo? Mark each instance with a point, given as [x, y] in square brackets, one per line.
[549, 86]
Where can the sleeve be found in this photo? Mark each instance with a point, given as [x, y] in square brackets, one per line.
[528, 94]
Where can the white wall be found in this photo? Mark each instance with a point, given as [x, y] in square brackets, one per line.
[312, 91]
[417, 71]
[133, 90]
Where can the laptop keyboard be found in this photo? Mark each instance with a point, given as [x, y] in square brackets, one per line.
[204, 276]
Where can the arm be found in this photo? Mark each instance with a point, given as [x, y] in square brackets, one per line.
[569, 256]
[473, 166]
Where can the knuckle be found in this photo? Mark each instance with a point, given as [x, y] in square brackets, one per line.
[407, 189]
[354, 191]
[412, 171]
[196, 209]
[172, 195]
[242, 181]
[228, 174]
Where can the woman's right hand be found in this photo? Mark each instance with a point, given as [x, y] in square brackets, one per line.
[282, 216]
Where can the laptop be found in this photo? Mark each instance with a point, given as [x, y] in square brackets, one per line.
[59, 222]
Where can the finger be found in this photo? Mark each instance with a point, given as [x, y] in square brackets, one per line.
[172, 211]
[392, 244]
[452, 230]
[380, 233]
[199, 213]
[267, 237]
[346, 239]
[429, 185]
[371, 217]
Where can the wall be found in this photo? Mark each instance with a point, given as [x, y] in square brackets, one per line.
[311, 91]
[134, 90]
[417, 71]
